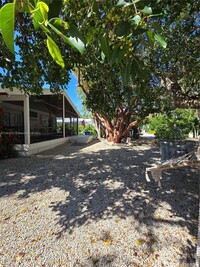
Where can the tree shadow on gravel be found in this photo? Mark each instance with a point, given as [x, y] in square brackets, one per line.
[103, 184]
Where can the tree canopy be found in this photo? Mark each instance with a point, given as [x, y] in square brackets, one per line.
[128, 34]
[115, 28]
[131, 57]
[178, 66]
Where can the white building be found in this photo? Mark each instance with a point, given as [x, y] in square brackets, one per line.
[33, 120]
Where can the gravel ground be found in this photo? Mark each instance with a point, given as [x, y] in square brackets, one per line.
[91, 206]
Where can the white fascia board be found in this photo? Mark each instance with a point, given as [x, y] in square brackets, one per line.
[69, 100]
[46, 91]
[15, 91]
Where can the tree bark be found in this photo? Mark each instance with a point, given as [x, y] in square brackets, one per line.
[115, 131]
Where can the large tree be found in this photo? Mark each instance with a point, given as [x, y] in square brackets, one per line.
[121, 29]
[178, 66]
[118, 107]
[118, 50]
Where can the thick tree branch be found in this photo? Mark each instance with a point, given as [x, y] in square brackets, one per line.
[85, 91]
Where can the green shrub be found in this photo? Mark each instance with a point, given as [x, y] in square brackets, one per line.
[88, 128]
[169, 134]
[172, 125]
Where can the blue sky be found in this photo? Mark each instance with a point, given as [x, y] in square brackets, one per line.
[71, 92]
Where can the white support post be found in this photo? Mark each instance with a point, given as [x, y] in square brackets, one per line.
[26, 120]
[77, 126]
[63, 117]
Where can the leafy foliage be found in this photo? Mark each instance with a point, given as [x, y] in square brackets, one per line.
[135, 57]
[7, 25]
[117, 107]
[178, 66]
[115, 30]
[88, 128]
[173, 125]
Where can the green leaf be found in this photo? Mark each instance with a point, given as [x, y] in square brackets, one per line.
[156, 15]
[40, 14]
[160, 40]
[122, 28]
[105, 47]
[137, 19]
[55, 51]
[7, 22]
[146, 10]
[125, 72]
[68, 33]
[114, 56]
[44, 9]
[37, 18]
[150, 35]
[122, 3]
[102, 57]
[20, 6]
[138, 68]
[91, 34]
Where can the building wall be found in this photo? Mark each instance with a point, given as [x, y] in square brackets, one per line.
[36, 116]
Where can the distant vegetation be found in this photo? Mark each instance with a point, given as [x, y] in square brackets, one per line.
[89, 128]
[174, 125]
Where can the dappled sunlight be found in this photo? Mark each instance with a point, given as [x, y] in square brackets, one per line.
[76, 191]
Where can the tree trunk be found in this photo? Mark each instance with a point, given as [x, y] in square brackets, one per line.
[98, 128]
[119, 128]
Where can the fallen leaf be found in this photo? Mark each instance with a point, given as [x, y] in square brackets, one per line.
[36, 239]
[158, 217]
[24, 209]
[22, 254]
[140, 242]
[107, 242]
[37, 256]
[92, 240]
[194, 239]
[152, 250]
[19, 258]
